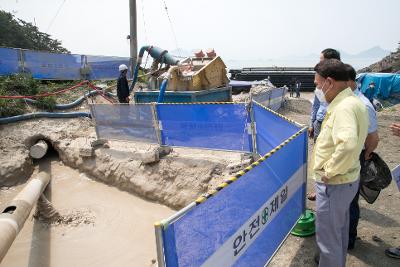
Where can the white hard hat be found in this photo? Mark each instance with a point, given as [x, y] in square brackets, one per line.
[122, 67]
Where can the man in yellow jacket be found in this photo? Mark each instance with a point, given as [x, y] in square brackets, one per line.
[336, 165]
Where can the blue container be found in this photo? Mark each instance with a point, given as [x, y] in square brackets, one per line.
[223, 94]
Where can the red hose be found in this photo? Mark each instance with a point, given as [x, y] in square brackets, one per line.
[56, 93]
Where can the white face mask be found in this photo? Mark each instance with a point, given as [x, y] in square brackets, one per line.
[320, 94]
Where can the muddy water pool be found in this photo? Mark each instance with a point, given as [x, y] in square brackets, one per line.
[114, 228]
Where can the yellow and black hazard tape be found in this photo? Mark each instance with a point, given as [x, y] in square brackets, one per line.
[234, 178]
[276, 113]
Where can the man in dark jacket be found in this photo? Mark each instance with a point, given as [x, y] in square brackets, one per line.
[122, 85]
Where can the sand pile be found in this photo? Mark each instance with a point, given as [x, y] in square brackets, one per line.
[265, 86]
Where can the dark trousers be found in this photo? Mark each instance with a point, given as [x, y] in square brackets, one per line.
[122, 100]
[354, 217]
[317, 129]
[297, 91]
[291, 90]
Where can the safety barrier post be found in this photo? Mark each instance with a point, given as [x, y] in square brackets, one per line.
[253, 129]
[269, 100]
[92, 113]
[156, 123]
[159, 244]
[305, 175]
[21, 60]
[283, 96]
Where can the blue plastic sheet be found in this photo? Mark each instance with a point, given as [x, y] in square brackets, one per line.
[218, 232]
[124, 122]
[263, 98]
[276, 98]
[271, 130]
[8, 61]
[52, 66]
[212, 126]
[105, 68]
[271, 99]
[386, 84]
[56, 66]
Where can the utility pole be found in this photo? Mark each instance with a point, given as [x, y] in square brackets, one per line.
[133, 35]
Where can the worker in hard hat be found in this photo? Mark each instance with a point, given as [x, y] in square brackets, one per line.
[122, 85]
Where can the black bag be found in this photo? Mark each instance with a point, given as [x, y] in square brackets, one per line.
[375, 175]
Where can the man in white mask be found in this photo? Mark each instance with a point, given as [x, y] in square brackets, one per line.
[335, 161]
[319, 105]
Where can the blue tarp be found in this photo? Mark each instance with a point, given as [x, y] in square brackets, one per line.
[271, 130]
[57, 66]
[244, 223]
[8, 61]
[103, 68]
[386, 84]
[52, 66]
[213, 126]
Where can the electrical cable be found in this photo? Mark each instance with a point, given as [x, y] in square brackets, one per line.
[144, 22]
[54, 18]
[172, 27]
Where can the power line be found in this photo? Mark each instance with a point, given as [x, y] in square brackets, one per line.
[172, 27]
[55, 16]
[144, 23]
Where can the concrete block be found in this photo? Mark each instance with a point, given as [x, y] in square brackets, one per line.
[150, 157]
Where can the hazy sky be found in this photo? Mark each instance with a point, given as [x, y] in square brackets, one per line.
[252, 29]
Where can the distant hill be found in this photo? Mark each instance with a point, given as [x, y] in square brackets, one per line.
[21, 34]
[373, 52]
[389, 64]
[359, 60]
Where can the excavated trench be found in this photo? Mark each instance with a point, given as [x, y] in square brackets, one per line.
[106, 199]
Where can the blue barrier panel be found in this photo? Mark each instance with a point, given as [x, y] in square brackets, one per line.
[124, 122]
[271, 130]
[52, 66]
[276, 99]
[263, 98]
[245, 223]
[8, 61]
[213, 126]
[104, 68]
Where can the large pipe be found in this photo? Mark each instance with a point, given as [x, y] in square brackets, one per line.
[164, 84]
[13, 217]
[38, 150]
[161, 94]
[73, 104]
[44, 115]
[161, 55]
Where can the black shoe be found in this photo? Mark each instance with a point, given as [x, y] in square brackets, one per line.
[316, 258]
[393, 252]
